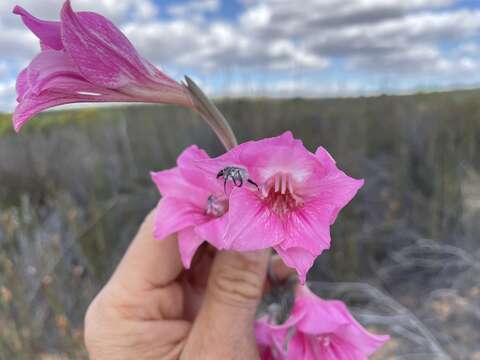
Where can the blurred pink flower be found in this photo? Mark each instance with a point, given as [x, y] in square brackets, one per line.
[85, 58]
[298, 197]
[316, 329]
[190, 200]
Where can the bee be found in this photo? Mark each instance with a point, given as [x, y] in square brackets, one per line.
[236, 174]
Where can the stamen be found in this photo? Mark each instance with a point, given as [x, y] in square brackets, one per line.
[279, 192]
[277, 183]
[284, 179]
[290, 184]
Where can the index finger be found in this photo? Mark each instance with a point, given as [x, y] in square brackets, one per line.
[149, 263]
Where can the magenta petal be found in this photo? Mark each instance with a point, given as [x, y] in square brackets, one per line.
[265, 158]
[188, 243]
[105, 57]
[324, 157]
[298, 348]
[28, 108]
[297, 258]
[187, 164]
[356, 334]
[323, 317]
[246, 155]
[173, 215]
[213, 231]
[309, 227]
[22, 84]
[171, 183]
[102, 53]
[47, 66]
[263, 331]
[251, 225]
[51, 80]
[335, 189]
[31, 106]
[327, 317]
[47, 31]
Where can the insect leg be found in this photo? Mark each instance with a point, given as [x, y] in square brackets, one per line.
[253, 183]
[235, 180]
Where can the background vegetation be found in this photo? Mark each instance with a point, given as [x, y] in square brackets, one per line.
[74, 186]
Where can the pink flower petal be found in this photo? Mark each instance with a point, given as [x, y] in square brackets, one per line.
[105, 57]
[324, 157]
[171, 183]
[298, 348]
[47, 31]
[187, 165]
[51, 80]
[251, 225]
[319, 309]
[335, 189]
[102, 53]
[188, 243]
[174, 214]
[47, 66]
[101, 63]
[308, 227]
[263, 331]
[213, 231]
[337, 320]
[32, 105]
[357, 335]
[22, 84]
[267, 157]
[297, 258]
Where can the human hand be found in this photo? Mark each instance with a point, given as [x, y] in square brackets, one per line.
[152, 309]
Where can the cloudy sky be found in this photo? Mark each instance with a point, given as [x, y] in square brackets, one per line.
[281, 47]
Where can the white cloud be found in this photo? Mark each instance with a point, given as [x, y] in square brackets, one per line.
[119, 11]
[368, 38]
[216, 46]
[17, 42]
[292, 18]
[7, 95]
[289, 88]
[194, 8]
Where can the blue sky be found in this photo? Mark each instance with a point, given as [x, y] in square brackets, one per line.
[281, 48]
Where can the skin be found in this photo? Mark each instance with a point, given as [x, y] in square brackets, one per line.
[152, 309]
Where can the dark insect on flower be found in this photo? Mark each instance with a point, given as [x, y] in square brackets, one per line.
[236, 174]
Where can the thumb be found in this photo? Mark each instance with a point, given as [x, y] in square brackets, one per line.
[223, 328]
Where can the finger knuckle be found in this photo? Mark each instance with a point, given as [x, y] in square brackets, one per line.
[239, 282]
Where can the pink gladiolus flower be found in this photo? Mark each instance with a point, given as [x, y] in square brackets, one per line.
[298, 197]
[85, 58]
[316, 329]
[190, 200]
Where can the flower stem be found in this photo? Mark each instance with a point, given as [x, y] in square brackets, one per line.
[210, 113]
